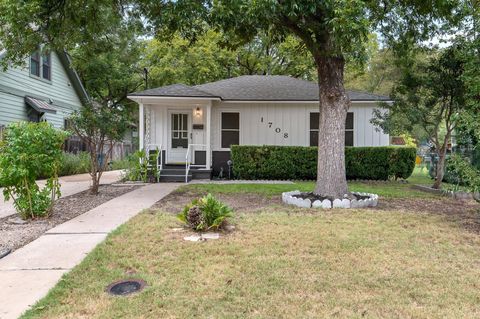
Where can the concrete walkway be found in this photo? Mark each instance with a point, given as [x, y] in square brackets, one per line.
[69, 185]
[31, 271]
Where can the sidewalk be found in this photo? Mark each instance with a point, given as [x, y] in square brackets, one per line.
[69, 185]
[31, 271]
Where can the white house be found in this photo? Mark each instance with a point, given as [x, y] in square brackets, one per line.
[194, 126]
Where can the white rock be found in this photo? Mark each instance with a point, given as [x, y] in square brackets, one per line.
[177, 229]
[369, 202]
[337, 203]
[292, 200]
[293, 193]
[361, 203]
[326, 204]
[305, 203]
[346, 203]
[354, 203]
[317, 204]
[210, 236]
[193, 238]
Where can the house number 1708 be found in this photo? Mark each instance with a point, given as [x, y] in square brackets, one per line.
[277, 130]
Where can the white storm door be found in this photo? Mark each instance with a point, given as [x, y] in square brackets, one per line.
[178, 136]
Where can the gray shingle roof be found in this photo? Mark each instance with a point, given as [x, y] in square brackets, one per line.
[175, 90]
[255, 88]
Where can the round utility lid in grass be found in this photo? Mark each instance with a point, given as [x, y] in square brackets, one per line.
[4, 252]
[126, 287]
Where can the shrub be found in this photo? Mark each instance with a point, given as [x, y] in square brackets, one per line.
[121, 164]
[27, 151]
[74, 163]
[136, 169]
[300, 163]
[462, 172]
[205, 213]
[71, 164]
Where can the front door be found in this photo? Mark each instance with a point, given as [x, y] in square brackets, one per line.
[178, 136]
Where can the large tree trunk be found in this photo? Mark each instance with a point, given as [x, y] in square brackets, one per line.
[334, 103]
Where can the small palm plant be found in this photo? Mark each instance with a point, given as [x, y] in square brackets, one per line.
[205, 213]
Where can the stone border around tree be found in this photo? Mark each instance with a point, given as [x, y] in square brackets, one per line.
[372, 201]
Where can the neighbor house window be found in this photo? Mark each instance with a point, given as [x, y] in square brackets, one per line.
[35, 64]
[314, 118]
[41, 65]
[47, 66]
[349, 129]
[230, 129]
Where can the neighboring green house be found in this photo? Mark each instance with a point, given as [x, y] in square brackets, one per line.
[45, 89]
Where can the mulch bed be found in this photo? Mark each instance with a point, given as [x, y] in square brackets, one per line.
[313, 197]
[15, 233]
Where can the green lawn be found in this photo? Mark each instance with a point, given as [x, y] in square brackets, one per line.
[285, 262]
[385, 189]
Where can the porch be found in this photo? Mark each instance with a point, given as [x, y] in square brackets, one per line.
[176, 135]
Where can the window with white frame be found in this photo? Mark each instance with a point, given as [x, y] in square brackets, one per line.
[41, 65]
[314, 120]
[230, 129]
[35, 63]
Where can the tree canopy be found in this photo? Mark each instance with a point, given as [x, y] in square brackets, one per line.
[334, 32]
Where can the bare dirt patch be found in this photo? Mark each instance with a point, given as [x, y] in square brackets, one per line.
[15, 235]
[465, 212]
[245, 202]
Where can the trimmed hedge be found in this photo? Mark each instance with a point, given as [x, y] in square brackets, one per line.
[300, 163]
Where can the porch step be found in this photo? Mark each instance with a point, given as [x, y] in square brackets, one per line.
[176, 173]
[173, 171]
[174, 178]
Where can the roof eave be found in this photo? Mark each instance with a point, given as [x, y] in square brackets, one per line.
[73, 76]
[135, 97]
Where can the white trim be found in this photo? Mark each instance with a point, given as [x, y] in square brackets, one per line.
[170, 150]
[208, 124]
[141, 127]
[143, 97]
[297, 102]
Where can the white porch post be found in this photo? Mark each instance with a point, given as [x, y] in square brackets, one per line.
[141, 126]
[208, 131]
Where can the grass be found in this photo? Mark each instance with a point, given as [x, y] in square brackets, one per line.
[390, 189]
[283, 262]
[350, 264]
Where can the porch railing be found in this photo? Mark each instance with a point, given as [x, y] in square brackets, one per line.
[189, 158]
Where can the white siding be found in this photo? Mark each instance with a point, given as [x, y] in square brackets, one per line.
[15, 83]
[291, 119]
[160, 118]
[12, 108]
[287, 118]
